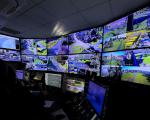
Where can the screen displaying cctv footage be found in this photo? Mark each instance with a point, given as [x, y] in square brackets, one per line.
[83, 63]
[58, 63]
[141, 19]
[58, 46]
[132, 65]
[10, 55]
[33, 47]
[37, 63]
[87, 41]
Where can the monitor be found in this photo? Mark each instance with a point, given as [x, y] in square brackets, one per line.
[83, 63]
[87, 41]
[58, 63]
[58, 46]
[74, 85]
[36, 75]
[20, 74]
[9, 42]
[37, 63]
[141, 19]
[33, 47]
[137, 39]
[27, 58]
[96, 96]
[136, 69]
[10, 55]
[53, 80]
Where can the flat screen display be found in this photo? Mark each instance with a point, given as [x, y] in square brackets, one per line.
[58, 46]
[136, 69]
[27, 58]
[9, 42]
[111, 63]
[74, 85]
[96, 96]
[82, 63]
[115, 28]
[141, 19]
[138, 39]
[33, 47]
[88, 41]
[36, 75]
[140, 75]
[115, 43]
[53, 80]
[115, 35]
[58, 63]
[20, 74]
[10, 55]
[38, 63]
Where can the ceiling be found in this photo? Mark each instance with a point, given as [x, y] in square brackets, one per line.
[48, 18]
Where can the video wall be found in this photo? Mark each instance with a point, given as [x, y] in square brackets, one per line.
[126, 48]
[118, 48]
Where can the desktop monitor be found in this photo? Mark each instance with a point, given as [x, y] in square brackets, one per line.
[53, 80]
[36, 75]
[20, 74]
[74, 85]
[9, 42]
[96, 97]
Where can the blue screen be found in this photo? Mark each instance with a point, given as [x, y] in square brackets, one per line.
[9, 42]
[95, 96]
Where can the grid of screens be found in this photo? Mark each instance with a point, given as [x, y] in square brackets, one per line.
[129, 32]
[126, 44]
[96, 96]
[53, 80]
[9, 42]
[132, 65]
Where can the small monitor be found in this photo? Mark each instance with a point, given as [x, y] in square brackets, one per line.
[74, 85]
[20, 74]
[96, 97]
[53, 80]
[36, 75]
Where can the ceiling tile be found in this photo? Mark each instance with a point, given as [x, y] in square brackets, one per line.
[120, 7]
[40, 15]
[73, 21]
[84, 4]
[59, 9]
[98, 14]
